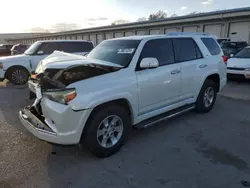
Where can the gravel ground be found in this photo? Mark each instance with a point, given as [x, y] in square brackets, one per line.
[192, 150]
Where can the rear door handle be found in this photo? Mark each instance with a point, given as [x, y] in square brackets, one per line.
[176, 71]
[202, 66]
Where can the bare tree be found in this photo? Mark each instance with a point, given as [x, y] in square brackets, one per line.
[174, 15]
[141, 19]
[158, 15]
[194, 12]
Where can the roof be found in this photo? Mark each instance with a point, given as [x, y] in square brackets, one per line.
[64, 41]
[177, 35]
[138, 37]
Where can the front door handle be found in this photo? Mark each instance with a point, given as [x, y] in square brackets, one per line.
[203, 66]
[176, 71]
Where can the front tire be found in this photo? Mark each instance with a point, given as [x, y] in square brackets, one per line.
[18, 75]
[207, 97]
[107, 131]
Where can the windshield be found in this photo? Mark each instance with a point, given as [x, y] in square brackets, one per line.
[228, 45]
[119, 52]
[33, 48]
[245, 53]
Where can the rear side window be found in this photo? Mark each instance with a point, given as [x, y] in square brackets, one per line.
[161, 49]
[211, 45]
[72, 47]
[186, 50]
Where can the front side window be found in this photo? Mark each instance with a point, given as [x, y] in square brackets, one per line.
[185, 49]
[211, 45]
[119, 52]
[161, 49]
[245, 53]
[48, 48]
[33, 48]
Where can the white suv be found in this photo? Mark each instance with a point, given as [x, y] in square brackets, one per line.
[17, 68]
[124, 82]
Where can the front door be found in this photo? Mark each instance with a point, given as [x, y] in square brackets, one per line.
[42, 52]
[158, 87]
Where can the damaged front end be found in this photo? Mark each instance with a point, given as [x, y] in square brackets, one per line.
[56, 79]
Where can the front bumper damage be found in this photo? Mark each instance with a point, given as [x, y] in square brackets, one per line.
[54, 122]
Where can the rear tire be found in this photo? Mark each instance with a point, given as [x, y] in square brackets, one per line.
[18, 75]
[207, 97]
[107, 131]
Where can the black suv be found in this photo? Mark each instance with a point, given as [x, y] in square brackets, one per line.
[5, 49]
[232, 47]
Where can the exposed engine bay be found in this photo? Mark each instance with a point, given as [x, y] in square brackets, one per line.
[60, 79]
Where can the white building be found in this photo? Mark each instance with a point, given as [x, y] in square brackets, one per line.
[233, 23]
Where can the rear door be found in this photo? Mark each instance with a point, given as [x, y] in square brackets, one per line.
[80, 48]
[158, 87]
[189, 57]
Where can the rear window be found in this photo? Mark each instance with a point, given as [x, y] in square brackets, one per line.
[72, 47]
[211, 45]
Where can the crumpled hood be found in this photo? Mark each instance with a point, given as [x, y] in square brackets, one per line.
[62, 60]
[14, 58]
[238, 62]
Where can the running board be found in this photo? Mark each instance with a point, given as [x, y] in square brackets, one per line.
[149, 122]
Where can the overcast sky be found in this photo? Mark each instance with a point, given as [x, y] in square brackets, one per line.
[22, 15]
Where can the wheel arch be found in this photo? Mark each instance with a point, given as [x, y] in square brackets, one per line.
[14, 67]
[215, 78]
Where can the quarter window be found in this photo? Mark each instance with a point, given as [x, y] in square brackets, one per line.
[161, 49]
[211, 45]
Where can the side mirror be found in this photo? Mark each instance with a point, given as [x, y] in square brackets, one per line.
[231, 55]
[40, 52]
[149, 63]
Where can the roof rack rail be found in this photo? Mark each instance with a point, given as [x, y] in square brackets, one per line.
[187, 33]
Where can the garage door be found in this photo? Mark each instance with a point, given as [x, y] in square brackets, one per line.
[129, 33]
[155, 31]
[190, 29]
[86, 37]
[119, 34]
[141, 32]
[93, 39]
[108, 35]
[171, 30]
[99, 38]
[213, 29]
[239, 31]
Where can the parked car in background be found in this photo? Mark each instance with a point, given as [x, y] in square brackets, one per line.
[220, 40]
[232, 48]
[5, 49]
[123, 82]
[17, 68]
[239, 65]
[18, 49]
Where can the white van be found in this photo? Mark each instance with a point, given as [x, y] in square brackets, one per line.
[17, 68]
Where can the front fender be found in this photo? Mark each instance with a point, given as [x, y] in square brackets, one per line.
[90, 104]
[25, 63]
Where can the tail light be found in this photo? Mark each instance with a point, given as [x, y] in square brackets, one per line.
[225, 58]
